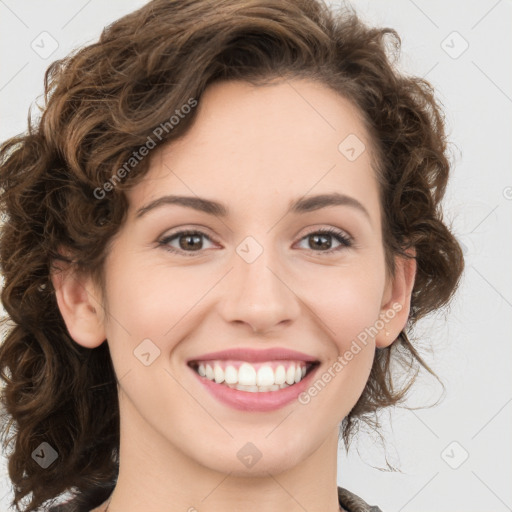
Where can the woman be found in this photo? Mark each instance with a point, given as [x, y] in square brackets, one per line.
[217, 238]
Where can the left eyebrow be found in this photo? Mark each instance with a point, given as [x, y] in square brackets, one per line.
[309, 204]
[302, 205]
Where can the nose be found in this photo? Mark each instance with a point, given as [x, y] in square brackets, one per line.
[258, 295]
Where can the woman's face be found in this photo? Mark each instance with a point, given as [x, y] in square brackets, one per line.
[257, 275]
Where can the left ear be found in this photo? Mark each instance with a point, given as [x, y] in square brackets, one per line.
[397, 300]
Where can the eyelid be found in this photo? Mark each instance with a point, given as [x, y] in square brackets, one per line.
[164, 239]
[345, 240]
[330, 230]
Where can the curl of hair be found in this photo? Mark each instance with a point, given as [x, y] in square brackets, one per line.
[102, 102]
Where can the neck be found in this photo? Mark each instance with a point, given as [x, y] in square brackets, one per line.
[156, 476]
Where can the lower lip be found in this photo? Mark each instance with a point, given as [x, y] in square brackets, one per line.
[260, 401]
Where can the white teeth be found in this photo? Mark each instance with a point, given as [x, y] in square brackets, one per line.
[218, 372]
[290, 375]
[247, 375]
[231, 375]
[265, 376]
[254, 389]
[280, 375]
[247, 378]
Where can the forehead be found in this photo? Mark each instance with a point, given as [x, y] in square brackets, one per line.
[266, 143]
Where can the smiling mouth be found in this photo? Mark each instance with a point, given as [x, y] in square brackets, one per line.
[254, 377]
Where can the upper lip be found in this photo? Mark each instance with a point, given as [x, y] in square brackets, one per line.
[253, 355]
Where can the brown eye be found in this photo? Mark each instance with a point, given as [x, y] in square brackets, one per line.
[321, 241]
[189, 242]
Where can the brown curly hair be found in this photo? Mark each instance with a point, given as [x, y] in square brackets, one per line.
[102, 102]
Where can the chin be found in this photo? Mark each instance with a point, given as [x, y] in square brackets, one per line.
[252, 459]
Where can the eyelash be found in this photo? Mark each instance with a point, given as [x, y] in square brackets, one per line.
[343, 239]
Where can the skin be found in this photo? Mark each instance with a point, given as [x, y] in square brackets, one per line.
[255, 149]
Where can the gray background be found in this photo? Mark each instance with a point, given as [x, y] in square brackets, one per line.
[471, 342]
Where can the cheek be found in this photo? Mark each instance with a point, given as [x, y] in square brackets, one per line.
[152, 300]
[346, 302]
